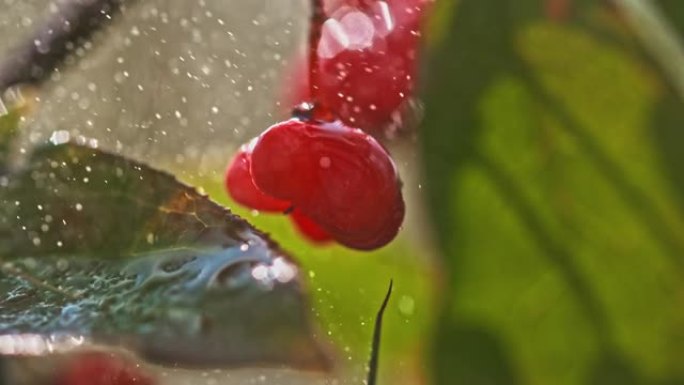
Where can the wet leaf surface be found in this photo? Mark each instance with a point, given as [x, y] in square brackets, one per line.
[98, 246]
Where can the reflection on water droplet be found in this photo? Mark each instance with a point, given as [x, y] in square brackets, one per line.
[325, 162]
[359, 29]
[407, 305]
[260, 273]
[384, 23]
[69, 314]
[333, 39]
[60, 137]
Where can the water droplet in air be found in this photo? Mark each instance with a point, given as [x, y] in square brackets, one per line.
[407, 305]
[60, 137]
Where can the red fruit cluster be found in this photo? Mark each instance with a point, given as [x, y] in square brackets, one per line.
[101, 369]
[335, 181]
[367, 61]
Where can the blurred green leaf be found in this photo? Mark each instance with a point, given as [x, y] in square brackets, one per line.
[554, 179]
[9, 124]
[99, 246]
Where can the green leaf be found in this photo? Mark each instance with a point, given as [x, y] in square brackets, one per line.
[9, 125]
[554, 179]
[99, 246]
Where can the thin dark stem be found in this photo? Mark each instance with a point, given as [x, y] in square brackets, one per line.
[49, 46]
[375, 349]
[317, 19]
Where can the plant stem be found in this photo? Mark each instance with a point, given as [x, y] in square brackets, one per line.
[316, 24]
[46, 49]
[377, 332]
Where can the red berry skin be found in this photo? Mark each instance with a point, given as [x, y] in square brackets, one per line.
[340, 177]
[365, 88]
[310, 229]
[101, 369]
[367, 64]
[241, 188]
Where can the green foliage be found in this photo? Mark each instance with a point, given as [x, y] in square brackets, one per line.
[347, 288]
[554, 175]
[9, 127]
[99, 246]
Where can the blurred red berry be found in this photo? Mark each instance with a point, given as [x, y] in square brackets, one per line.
[241, 188]
[558, 10]
[340, 177]
[101, 369]
[367, 61]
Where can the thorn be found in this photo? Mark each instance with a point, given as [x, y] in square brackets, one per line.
[375, 348]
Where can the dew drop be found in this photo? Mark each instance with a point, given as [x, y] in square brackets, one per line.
[407, 305]
[62, 264]
[60, 137]
[325, 162]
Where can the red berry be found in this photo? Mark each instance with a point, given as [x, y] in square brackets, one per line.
[101, 369]
[241, 188]
[309, 228]
[367, 61]
[340, 177]
[558, 10]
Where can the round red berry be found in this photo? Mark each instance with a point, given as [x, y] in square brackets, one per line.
[340, 177]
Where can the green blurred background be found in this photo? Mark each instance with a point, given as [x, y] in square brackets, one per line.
[552, 148]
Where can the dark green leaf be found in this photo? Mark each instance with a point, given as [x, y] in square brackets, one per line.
[554, 179]
[8, 131]
[100, 246]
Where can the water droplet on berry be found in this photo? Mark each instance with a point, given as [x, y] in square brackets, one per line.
[325, 162]
[359, 30]
[407, 305]
[334, 39]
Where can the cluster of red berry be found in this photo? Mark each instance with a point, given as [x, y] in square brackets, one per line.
[337, 182]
